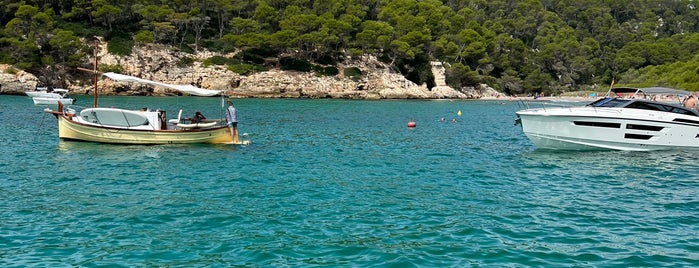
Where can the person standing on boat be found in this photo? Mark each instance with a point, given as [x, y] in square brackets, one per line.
[691, 102]
[232, 119]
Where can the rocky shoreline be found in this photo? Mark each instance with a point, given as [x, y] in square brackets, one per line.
[159, 63]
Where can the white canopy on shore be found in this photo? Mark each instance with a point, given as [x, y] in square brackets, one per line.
[189, 89]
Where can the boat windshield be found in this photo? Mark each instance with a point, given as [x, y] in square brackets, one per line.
[660, 107]
[609, 102]
[642, 105]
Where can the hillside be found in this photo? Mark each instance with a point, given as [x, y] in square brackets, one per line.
[516, 47]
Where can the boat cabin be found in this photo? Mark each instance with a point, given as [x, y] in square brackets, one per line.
[644, 99]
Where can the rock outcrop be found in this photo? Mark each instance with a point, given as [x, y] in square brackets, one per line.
[159, 63]
[16, 82]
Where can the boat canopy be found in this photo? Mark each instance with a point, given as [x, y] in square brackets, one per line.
[189, 89]
[649, 91]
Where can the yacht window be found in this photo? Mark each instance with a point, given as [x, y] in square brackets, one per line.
[686, 121]
[682, 111]
[597, 124]
[637, 136]
[644, 127]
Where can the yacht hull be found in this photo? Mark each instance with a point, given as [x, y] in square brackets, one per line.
[50, 98]
[594, 128]
[52, 101]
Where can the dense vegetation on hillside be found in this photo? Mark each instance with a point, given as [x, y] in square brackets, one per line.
[516, 46]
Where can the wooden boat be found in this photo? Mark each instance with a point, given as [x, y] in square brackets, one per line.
[123, 126]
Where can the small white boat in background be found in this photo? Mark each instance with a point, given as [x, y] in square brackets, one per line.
[634, 123]
[50, 96]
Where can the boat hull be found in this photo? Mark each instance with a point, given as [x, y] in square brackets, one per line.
[590, 128]
[71, 130]
[51, 95]
[52, 101]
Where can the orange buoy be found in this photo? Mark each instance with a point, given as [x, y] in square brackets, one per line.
[411, 124]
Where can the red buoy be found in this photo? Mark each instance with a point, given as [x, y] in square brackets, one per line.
[411, 124]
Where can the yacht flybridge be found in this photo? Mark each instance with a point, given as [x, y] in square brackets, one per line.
[634, 119]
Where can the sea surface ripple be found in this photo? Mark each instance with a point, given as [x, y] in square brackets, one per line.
[339, 183]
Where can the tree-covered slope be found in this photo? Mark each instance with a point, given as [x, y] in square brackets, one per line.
[516, 46]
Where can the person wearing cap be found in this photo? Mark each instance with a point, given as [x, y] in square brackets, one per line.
[232, 119]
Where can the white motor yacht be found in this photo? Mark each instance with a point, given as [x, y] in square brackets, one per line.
[44, 95]
[634, 119]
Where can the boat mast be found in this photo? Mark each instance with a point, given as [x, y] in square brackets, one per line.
[94, 73]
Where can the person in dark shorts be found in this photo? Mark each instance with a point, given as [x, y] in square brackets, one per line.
[232, 119]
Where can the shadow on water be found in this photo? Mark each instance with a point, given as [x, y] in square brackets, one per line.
[609, 159]
[613, 167]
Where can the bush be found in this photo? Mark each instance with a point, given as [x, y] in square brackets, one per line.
[248, 56]
[217, 45]
[291, 64]
[186, 49]
[262, 52]
[11, 70]
[331, 71]
[326, 71]
[115, 68]
[215, 60]
[246, 69]
[120, 45]
[326, 60]
[353, 73]
[185, 62]
[356, 52]
[144, 37]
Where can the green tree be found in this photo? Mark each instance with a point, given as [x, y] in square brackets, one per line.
[241, 26]
[105, 12]
[21, 24]
[537, 82]
[375, 36]
[199, 23]
[67, 48]
[459, 75]
[267, 17]
[156, 20]
[143, 37]
[24, 54]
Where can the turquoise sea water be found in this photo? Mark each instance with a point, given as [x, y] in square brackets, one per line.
[339, 183]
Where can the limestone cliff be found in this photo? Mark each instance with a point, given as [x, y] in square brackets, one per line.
[16, 82]
[159, 63]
